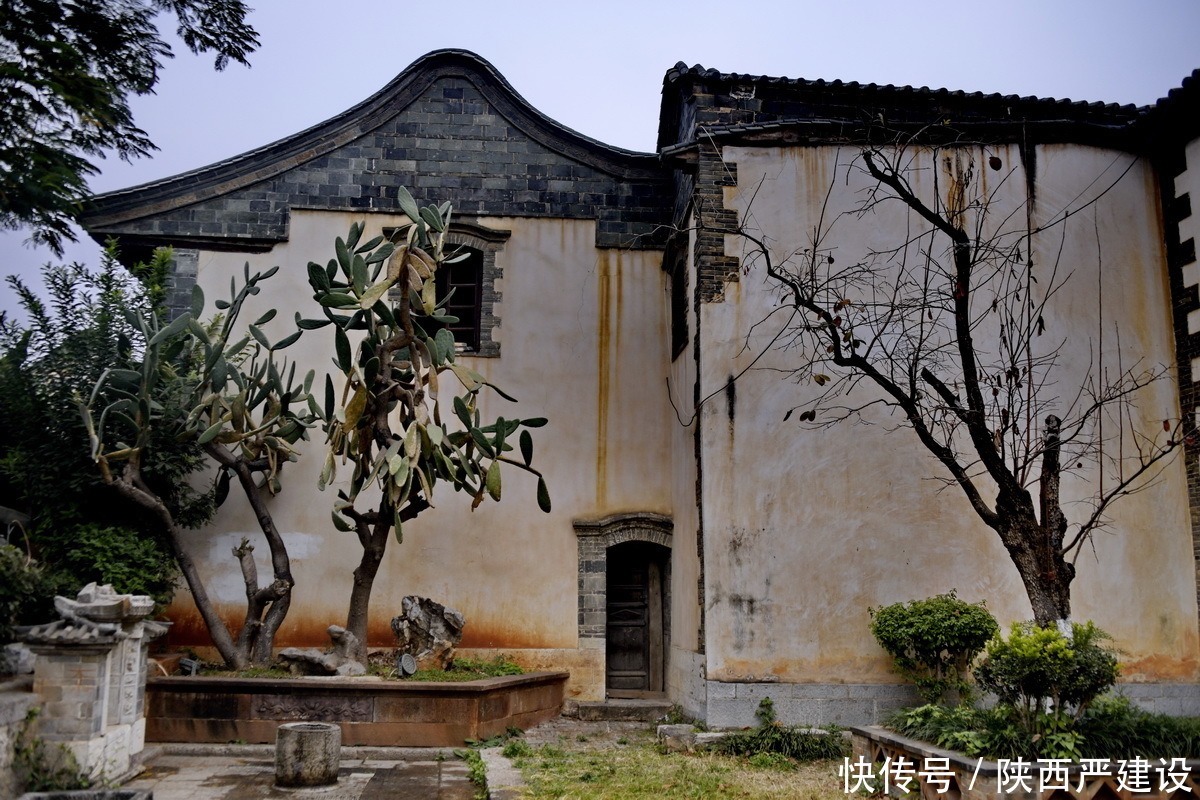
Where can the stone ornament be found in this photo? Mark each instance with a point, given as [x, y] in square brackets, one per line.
[315, 662]
[428, 631]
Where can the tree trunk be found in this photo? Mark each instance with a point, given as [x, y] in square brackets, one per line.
[216, 627]
[267, 607]
[1044, 571]
[360, 593]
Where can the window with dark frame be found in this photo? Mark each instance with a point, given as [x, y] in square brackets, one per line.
[473, 281]
[462, 282]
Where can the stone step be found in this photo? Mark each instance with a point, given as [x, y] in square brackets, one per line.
[622, 710]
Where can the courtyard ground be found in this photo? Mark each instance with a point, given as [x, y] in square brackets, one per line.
[564, 759]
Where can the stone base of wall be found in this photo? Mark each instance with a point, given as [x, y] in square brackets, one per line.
[1176, 699]
[732, 705]
[686, 684]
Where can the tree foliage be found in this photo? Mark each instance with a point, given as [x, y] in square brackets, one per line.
[67, 69]
[73, 335]
[1040, 669]
[242, 408]
[386, 420]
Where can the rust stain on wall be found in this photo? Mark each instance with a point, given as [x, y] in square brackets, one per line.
[1159, 668]
[502, 636]
[603, 340]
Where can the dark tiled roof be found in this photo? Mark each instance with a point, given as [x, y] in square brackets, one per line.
[681, 70]
[754, 100]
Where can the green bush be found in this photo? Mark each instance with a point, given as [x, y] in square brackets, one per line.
[1112, 727]
[26, 591]
[79, 529]
[783, 740]
[933, 641]
[977, 732]
[1038, 670]
[113, 554]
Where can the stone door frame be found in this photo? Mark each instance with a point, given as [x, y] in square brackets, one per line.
[595, 537]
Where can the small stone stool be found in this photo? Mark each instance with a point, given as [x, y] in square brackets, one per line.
[307, 754]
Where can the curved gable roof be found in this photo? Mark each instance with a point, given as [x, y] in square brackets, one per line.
[125, 212]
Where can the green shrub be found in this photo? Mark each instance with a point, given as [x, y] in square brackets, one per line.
[1048, 678]
[1112, 727]
[26, 591]
[977, 732]
[784, 740]
[133, 564]
[933, 641]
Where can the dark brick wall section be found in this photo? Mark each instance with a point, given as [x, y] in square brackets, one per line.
[1169, 128]
[1184, 300]
[713, 267]
[463, 137]
[181, 280]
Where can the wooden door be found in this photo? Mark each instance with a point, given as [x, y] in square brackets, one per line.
[634, 653]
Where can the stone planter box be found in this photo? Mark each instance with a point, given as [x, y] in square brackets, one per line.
[376, 713]
[965, 778]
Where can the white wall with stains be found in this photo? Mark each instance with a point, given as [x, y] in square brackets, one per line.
[806, 529]
[584, 342]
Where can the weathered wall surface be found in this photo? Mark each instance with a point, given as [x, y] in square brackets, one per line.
[582, 337]
[685, 662]
[807, 529]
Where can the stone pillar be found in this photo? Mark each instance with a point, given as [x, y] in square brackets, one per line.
[91, 676]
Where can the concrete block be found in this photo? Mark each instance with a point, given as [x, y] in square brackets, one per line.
[729, 713]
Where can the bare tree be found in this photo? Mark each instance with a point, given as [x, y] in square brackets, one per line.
[947, 331]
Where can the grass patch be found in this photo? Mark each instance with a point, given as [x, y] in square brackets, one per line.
[461, 669]
[217, 671]
[641, 772]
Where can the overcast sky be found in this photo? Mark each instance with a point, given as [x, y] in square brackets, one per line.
[598, 67]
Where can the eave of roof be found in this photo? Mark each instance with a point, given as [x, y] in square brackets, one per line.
[999, 108]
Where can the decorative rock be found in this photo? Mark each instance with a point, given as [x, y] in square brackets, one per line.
[315, 662]
[307, 753]
[428, 631]
[16, 659]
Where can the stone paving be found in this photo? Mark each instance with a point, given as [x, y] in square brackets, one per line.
[247, 772]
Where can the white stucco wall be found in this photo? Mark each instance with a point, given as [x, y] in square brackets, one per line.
[807, 529]
[583, 342]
